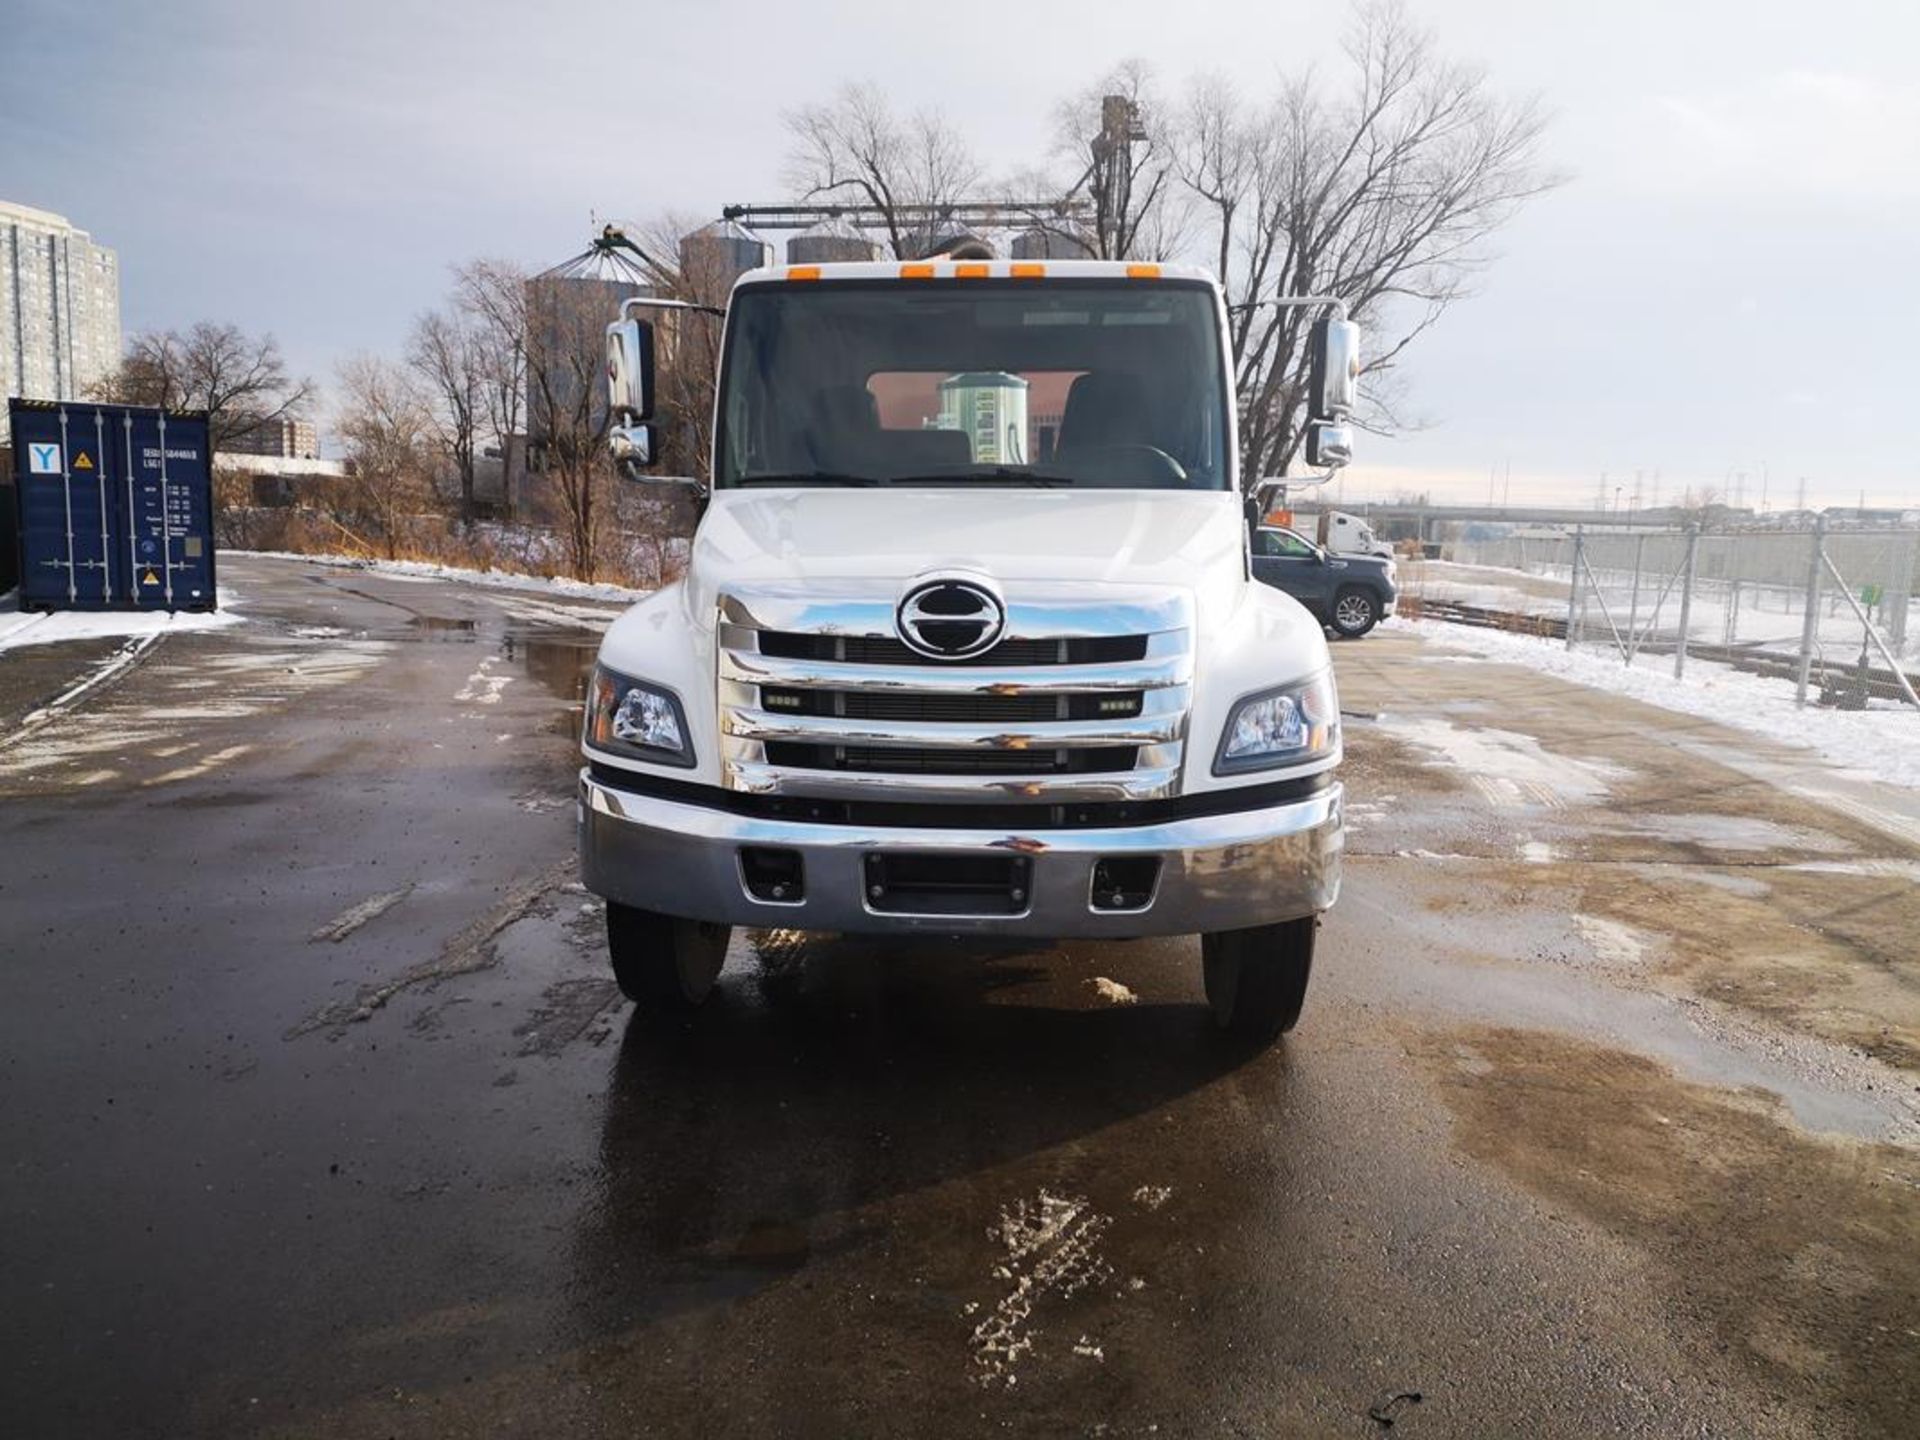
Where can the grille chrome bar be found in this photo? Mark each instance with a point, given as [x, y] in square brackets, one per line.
[1168, 663]
[1062, 735]
[757, 777]
[1035, 611]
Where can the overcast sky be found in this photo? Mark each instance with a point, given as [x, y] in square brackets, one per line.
[1728, 282]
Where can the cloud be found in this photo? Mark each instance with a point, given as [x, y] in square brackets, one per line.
[1797, 136]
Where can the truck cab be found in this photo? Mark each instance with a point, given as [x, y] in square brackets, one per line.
[969, 640]
[1344, 534]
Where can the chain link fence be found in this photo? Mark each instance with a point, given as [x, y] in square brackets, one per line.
[1830, 608]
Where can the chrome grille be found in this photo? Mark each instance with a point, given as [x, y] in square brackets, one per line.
[887, 650]
[1079, 702]
[985, 709]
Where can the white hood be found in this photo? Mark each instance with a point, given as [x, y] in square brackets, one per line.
[1161, 537]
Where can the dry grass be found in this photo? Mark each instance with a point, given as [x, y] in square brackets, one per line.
[639, 561]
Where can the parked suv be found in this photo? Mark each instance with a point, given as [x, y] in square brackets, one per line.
[1349, 594]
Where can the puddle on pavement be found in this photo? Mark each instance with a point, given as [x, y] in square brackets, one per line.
[441, 624]
[560, 661]
[1786, 1009]
[773, 1245]
[1797, 1251]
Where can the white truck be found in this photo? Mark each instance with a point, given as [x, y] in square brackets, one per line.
[1342, 533]
[968, 641]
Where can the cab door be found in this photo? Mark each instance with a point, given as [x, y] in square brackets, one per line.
[1288, 562]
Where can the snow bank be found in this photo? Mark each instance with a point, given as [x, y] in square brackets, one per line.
[20, 628]
[420, 570]
[1883, 743]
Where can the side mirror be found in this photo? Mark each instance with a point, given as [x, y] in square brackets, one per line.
[633, 446]
[1329, 445]
[630, 370]
[1333, 374]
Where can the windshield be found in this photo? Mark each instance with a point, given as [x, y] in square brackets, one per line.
[1057, 383]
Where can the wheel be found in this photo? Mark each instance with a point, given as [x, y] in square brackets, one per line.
[1355, 612]
[1257, 979]
[662, 963]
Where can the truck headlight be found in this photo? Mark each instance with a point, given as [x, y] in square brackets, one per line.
[1281, 727]
[632, 717]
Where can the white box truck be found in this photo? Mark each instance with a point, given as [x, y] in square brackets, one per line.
[968, 640]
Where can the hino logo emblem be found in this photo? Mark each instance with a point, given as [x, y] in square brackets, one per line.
[951, 619]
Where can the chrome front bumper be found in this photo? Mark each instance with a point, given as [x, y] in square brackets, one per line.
[1217, 872]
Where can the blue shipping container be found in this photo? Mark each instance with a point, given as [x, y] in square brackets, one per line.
[115, 506]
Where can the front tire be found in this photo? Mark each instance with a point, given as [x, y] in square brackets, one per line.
[1355, 612]
[1257, 979]
[662, 963]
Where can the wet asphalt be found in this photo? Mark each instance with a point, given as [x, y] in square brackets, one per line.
[319, 1115]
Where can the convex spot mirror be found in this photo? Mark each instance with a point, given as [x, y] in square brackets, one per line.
[630, 370]
[1334, 370]
[632, 446]
[1329, 446]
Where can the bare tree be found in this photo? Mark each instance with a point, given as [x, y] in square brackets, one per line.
[567, 417]
[446, 355]
[490, 296]
[1704, 506]
[856, 151]
[387, 427]
[240, 380]
[1384, 195]
[687, 362]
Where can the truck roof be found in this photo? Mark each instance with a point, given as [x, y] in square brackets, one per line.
[947, 268]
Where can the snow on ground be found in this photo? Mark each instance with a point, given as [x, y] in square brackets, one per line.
[495, 579]
[31, 627]
[1510, 769]
[1882, 743]
[1769, 616]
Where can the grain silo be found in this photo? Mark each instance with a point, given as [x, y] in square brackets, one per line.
[716, 255]
[830, 242]
[1050, 243]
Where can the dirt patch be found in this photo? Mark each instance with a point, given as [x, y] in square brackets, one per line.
[1820, 953]
[1801, 1254]
[1377, 764]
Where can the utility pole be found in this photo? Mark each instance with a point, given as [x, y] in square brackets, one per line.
[1810, 622]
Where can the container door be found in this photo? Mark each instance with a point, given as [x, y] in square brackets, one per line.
[67, 514]
[170, 509]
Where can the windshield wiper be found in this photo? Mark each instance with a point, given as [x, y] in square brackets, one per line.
[810, 477]
[998, 475]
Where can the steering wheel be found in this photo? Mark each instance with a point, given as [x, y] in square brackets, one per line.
[1125, 466]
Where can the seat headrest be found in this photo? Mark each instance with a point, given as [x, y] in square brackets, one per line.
[1106, 407]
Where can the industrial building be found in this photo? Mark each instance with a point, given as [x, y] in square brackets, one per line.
[59, 308]
[283, 438]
